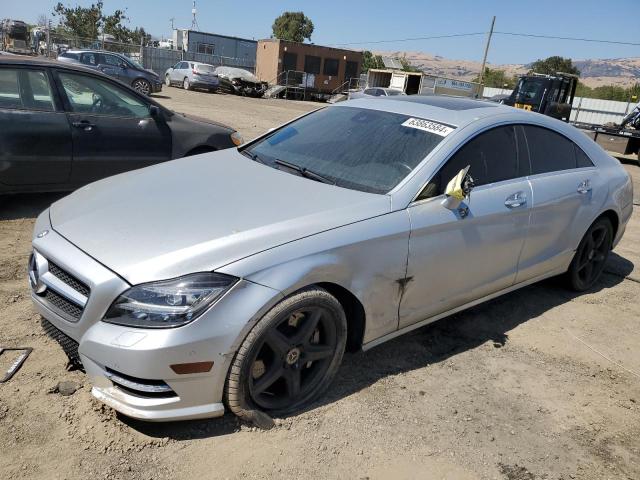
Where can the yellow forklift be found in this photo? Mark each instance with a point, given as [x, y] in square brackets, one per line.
[550, 95]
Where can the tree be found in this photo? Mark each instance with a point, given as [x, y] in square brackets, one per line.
[407, 66]
[551, 65]
[87, 23]
[292, 26]
[496, 78]
[369, 60]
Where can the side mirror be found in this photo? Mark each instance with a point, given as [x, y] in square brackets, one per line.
[458, 188]
[154, 111]
[123, 65]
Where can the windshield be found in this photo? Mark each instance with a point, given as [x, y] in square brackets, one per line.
[361, 149]
[201, 67]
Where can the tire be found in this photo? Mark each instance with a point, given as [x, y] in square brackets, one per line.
[142, 86]
[185, 84]
[167, 81]
[591, 256]
[275, 350]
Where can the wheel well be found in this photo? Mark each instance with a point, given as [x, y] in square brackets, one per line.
[354, 312]
[200, 149]
[613, 218]
[140, 78]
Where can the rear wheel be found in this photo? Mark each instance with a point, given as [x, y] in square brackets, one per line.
[590, 258]
[289, 357]
[185, 84]
[142, 86]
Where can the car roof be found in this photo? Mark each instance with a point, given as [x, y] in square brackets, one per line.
[42, 62]
[455, 111]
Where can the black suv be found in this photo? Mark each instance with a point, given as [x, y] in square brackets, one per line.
[117, 66]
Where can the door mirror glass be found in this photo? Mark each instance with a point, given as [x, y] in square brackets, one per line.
[458, 188]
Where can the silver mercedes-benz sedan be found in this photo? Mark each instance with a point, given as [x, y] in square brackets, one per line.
[237, 279]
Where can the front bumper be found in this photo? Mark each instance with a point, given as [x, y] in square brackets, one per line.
[144, 357]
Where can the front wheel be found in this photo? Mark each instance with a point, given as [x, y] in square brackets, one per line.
[591, 256]
[142, 86]
[289, 357]
[167, 81]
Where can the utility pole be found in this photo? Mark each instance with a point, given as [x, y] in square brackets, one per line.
[171, 20]
[486, 49]
[49, 39]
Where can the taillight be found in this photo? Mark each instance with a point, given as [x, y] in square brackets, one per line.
[195, 72]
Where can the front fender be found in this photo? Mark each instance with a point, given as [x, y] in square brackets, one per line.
[367, 258]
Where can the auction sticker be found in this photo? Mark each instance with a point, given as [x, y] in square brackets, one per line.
[429, 126]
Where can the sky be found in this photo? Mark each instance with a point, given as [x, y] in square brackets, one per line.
[339, 22]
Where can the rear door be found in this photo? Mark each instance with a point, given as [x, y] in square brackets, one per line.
[457, 257]
[35, 137]
[562, 179]
[112, 128]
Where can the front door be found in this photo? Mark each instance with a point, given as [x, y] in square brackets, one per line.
[459, 256]
[112, 128]
[113, 66]
[35, 136]
[350, 71]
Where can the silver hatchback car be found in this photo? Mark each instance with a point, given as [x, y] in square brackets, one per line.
[190, 75]
[237, 279]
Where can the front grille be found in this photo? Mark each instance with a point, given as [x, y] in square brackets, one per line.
[69, 279]
[57, 302]
[68, 344]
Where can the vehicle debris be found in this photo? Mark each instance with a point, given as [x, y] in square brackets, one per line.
[18, 362]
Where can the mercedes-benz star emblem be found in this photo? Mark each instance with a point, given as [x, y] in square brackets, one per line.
[37, 266]
[42, 233]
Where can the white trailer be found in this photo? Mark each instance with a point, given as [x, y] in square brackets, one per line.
[420, 83]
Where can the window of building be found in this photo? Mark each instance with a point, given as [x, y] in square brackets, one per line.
[312, 64]
[206, 48]
[331, 66]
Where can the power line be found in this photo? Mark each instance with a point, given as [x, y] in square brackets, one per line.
[514, 34]
[567, 38]
[410, 39]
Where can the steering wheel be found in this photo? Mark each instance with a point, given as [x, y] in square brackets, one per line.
[97, 103]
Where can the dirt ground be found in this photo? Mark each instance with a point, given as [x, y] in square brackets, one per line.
[539, 384]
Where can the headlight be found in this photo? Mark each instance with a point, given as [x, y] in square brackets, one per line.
[237, 139]
[168, 303]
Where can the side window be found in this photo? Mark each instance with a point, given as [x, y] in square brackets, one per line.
[492, 156]
[331, 66]
[370, 91]
[89, 59]
[549, 151]
[92, 95]
[23, 89]
[582, 159]
[183, 65]
[112, 60]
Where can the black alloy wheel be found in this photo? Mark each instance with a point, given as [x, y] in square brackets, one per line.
[290, 356]
[591, 256]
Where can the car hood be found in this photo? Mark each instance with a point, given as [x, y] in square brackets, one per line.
[201, 213]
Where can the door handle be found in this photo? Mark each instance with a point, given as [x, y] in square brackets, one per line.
[516, 200]
[84, 124]
[584, 187]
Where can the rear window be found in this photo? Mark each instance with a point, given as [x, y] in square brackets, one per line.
[205, 68]
[361, 149]
[70, 55]
[549, 151]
